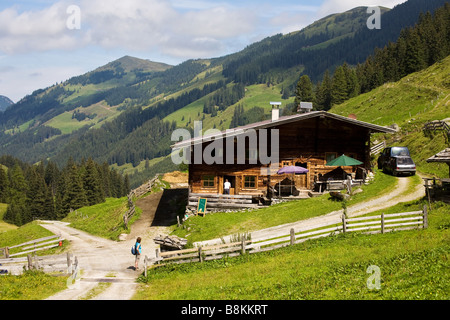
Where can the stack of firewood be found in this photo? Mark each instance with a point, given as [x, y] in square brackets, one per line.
[171, 241]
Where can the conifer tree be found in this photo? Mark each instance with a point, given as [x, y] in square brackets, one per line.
[75, 196]
[339, 87]
[92, 184]
[3, 184]
[304, 90]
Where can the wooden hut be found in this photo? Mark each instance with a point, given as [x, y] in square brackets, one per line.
[442, 157]
[308, 140]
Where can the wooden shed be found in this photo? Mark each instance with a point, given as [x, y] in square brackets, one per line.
[308, 140]
[442, 157]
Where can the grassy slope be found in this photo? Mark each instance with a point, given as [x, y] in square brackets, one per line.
[410, 102]
[225, 223]
[413, 264]
[104, 219]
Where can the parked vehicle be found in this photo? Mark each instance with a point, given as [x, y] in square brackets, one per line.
[396, 160]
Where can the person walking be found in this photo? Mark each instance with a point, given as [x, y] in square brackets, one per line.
[138, 251]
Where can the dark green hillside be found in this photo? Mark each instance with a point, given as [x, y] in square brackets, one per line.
[123, 113]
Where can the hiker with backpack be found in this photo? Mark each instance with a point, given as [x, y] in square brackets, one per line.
[137, 250]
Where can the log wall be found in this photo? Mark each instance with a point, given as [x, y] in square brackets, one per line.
[304, 143]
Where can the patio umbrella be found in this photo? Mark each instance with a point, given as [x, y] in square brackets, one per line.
[344, 161]
[290, 169]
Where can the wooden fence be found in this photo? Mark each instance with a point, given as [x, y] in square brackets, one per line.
[31, 246]
[437, 125]
[136, 193]
[64, 263]
[378, 148]
[370, 224]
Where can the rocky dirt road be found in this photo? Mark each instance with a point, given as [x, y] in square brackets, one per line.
[103, 260]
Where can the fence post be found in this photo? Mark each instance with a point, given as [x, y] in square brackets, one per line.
[243, 245]
[200, 254]
[157, 255]
[382, 222]
[145, 266]
[6, 252]
[69, 263]
[425, 217]
[30, 262]
[344, 224]
[292, 236]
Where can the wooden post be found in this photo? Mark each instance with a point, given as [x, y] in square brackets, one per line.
[178, 221]
[243, 245]
[427, 191]
[145, 266]
[292, 236]
[425, 217]
[382, 223]
[30, 262]
[200, 258]
[6, 252]
[69, 263]
[157, 255]
[344, 224]
[75, 269]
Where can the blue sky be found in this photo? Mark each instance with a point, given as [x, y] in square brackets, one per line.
[38, 49]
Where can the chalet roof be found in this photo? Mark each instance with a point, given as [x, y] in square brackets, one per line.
[443, 156]
[373, 128]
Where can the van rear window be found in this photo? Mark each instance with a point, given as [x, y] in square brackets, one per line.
[404, 161]
[399, 151]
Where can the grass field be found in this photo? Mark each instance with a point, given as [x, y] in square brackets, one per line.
[220, 224]
[413, 264]
[104, 219]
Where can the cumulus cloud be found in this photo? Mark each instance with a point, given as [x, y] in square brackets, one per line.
[133, 24]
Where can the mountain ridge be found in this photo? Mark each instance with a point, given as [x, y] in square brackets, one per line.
[117, 106]
[5, 102]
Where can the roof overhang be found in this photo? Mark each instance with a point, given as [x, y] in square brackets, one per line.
[443, 156]
[373, 128]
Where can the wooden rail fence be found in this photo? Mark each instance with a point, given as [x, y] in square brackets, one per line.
[437, 125]
[370, 224]
[65, 263]
[378, 148]
[32, 246]
[136, 193]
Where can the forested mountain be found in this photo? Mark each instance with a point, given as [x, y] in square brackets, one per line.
[124, 112]
[44, 191]
[5, 102]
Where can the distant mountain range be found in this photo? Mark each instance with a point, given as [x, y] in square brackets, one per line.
[5, 102]
[123, 113]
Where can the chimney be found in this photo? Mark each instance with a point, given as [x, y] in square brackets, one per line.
[275, 110]
[305, 107]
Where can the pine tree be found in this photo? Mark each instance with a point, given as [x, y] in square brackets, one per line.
[17, 211]
[3, 184]
[75, 196]
[304, 90]
[323, 97]
[92, 184]
[339, 87]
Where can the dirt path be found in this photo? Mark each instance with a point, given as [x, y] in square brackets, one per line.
[385, 201]
[103, 260]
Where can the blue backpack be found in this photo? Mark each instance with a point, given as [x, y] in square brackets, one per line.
[134, 249]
